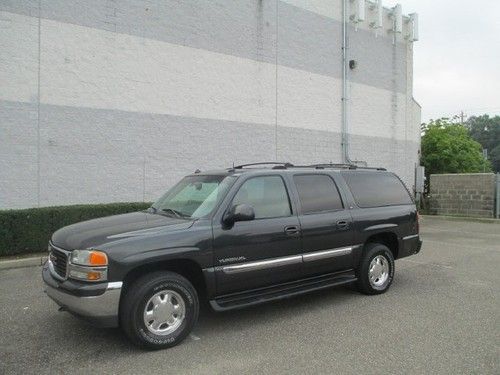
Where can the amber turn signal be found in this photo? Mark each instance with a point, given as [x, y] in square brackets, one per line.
[98, 258]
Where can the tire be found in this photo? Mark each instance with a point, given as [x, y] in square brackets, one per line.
[378, 257]
[159, 310]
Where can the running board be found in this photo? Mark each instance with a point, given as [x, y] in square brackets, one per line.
[280, 291]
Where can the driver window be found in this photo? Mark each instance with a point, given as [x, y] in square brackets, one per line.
[267, 195]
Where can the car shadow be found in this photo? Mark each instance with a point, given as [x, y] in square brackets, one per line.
[210, 322]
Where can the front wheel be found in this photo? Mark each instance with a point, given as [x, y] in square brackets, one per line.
[376, 269]
[159, 310]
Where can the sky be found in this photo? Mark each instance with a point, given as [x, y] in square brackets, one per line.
[457, 57]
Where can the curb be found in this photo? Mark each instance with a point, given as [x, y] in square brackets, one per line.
[463, 218]
[22, 262]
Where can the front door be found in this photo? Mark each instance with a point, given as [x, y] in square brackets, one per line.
[327, 235]
[263, 251]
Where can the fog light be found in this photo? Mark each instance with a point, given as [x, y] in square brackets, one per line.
[94, 276]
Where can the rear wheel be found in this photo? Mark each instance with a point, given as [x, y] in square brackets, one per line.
[159, 310]
[376, 269]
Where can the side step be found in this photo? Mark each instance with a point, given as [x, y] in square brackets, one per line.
[280, 291]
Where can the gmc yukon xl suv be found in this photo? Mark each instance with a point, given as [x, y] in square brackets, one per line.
[234, 238]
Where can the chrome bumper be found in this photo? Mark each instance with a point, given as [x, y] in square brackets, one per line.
[101, 310]
[104, 305]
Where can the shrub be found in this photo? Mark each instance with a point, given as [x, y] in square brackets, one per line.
[29, 230]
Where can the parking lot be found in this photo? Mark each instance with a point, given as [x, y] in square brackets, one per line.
[441, 315]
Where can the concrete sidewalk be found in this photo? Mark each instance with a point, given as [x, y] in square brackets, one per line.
[463, 218]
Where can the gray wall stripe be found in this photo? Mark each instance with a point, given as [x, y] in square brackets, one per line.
[97, 155]
[244, 28]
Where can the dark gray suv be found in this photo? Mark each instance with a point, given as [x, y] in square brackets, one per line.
[234, 238]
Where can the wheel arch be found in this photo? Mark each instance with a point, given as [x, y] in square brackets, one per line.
[185, 267]
[389, 239]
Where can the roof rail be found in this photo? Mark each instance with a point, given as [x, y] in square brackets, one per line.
[285, 165]
[277, 165]
[347, 166]
[332, 165]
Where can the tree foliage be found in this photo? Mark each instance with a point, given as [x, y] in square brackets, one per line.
[486, 130]
[449, 148]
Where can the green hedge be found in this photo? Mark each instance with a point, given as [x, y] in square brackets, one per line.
[29, 230]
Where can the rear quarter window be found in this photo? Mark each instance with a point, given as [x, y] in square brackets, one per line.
[317, 193]
[376, 189]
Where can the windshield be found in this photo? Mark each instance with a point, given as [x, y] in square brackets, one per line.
[194, 196]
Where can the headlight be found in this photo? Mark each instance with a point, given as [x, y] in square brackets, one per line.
[88, 265]
[89, 258]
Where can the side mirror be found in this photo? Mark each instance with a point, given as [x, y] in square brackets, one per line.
[239, 212]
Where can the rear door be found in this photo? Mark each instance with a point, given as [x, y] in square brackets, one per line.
[263, 251]
[326, 225]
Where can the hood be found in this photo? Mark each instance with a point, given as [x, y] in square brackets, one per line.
[96, 232]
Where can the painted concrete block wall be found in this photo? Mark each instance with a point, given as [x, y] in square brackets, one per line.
[104, 101]
[464, 194]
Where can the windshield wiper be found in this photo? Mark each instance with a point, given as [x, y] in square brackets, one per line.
[175, 212]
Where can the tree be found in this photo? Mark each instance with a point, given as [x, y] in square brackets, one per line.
[486, 130]
[448, 148]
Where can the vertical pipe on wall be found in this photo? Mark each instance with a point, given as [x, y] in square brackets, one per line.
[38, 145]
[345, 80]
[276, 83]
[344, 133]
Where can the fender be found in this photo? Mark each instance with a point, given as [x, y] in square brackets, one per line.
[380, 227]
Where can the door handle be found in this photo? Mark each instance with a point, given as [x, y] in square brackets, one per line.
[342, 224]
[292, 230]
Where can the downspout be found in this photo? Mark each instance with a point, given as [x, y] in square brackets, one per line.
[345, 123]
[344, 134]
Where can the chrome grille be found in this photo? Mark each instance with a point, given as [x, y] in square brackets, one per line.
[59, 260]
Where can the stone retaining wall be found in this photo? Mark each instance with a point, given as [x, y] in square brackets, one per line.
[467, 194]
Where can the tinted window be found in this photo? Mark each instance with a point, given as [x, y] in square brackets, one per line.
[375, 189]
[267, 195]
[317, 193]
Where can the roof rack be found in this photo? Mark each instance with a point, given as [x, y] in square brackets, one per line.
[286, 165]
[277, 165]
[332, 165]
[341, 165]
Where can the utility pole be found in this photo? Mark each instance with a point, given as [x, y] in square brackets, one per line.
[462, 117]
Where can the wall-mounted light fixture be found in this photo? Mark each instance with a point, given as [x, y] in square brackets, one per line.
[413, 26]
[359, 11]
[396, 15]
[397, 18]
[379, 10]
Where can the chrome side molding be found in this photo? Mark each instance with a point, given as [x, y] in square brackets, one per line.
[284, 261]
[262, 264]
[309, 257]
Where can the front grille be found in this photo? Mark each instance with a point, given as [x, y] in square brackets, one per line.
[59, 260]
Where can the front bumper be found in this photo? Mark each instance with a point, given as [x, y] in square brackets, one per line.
[100, 309]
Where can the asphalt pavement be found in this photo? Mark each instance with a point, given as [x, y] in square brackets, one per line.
[440, 316]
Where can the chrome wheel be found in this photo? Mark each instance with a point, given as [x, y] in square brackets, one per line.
[378, 272]
[164, 312]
